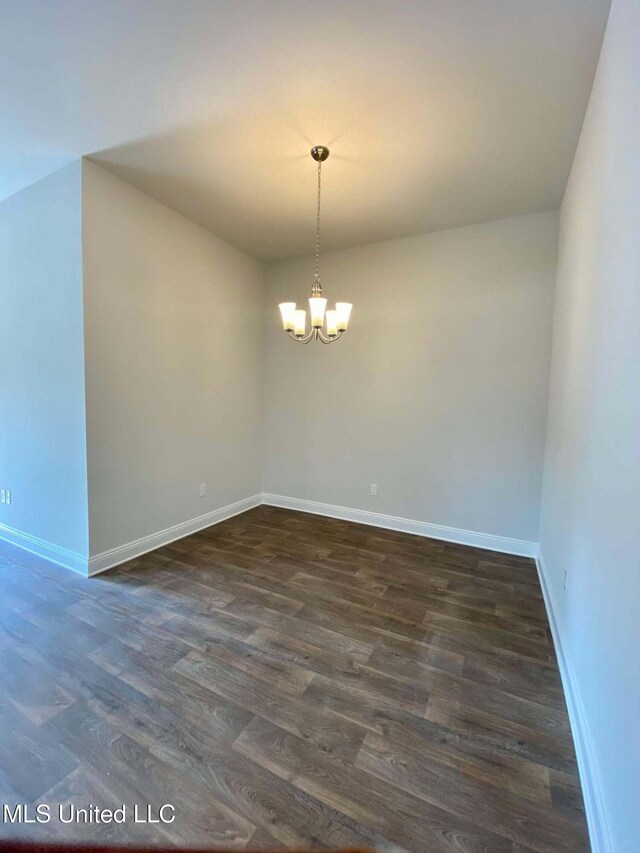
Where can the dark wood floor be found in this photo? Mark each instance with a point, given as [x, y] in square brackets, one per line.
[287, 680]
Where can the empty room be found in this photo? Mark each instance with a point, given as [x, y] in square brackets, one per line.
[320, 426]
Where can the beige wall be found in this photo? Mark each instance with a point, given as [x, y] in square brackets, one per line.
[590, 524]
[437, 394]
[438, 391]
[174, 321]
[43, 458]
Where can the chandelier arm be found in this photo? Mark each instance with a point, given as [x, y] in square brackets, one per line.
[330, 340]
[302, 340]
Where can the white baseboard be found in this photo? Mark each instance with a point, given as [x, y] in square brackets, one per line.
[43, 548]
[113, 557]
[120, 554]
[599, 831]
[519, 547]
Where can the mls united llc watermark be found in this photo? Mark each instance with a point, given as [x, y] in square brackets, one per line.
[69, 813]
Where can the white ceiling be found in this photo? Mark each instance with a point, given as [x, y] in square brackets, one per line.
[438, 113]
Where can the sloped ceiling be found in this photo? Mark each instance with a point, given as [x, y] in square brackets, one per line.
[438, 113]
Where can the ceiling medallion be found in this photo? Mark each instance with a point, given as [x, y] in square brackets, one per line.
[295, 321]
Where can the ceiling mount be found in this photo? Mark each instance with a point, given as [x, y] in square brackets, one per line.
[319, 153]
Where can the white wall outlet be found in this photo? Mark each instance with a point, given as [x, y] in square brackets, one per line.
[3, 496]
[203, 489]
[7, 494]
[373, 489]
[565, 580]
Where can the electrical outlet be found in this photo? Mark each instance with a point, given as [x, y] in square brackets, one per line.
[203, 489]
[565, 580]
[373, 489]
[7, 494]
[3, 496]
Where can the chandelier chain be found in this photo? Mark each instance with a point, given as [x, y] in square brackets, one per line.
[317, 265]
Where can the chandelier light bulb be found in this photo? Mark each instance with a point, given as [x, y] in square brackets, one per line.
[331, 318]
[343, 310]
[294, 321]
[317, 305]
[288, 310]
[300, 319]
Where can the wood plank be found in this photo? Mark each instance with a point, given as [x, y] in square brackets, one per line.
[510, 816]
[394, 813]
[300, 716]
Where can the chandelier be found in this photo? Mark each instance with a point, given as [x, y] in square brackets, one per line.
[294, 321]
